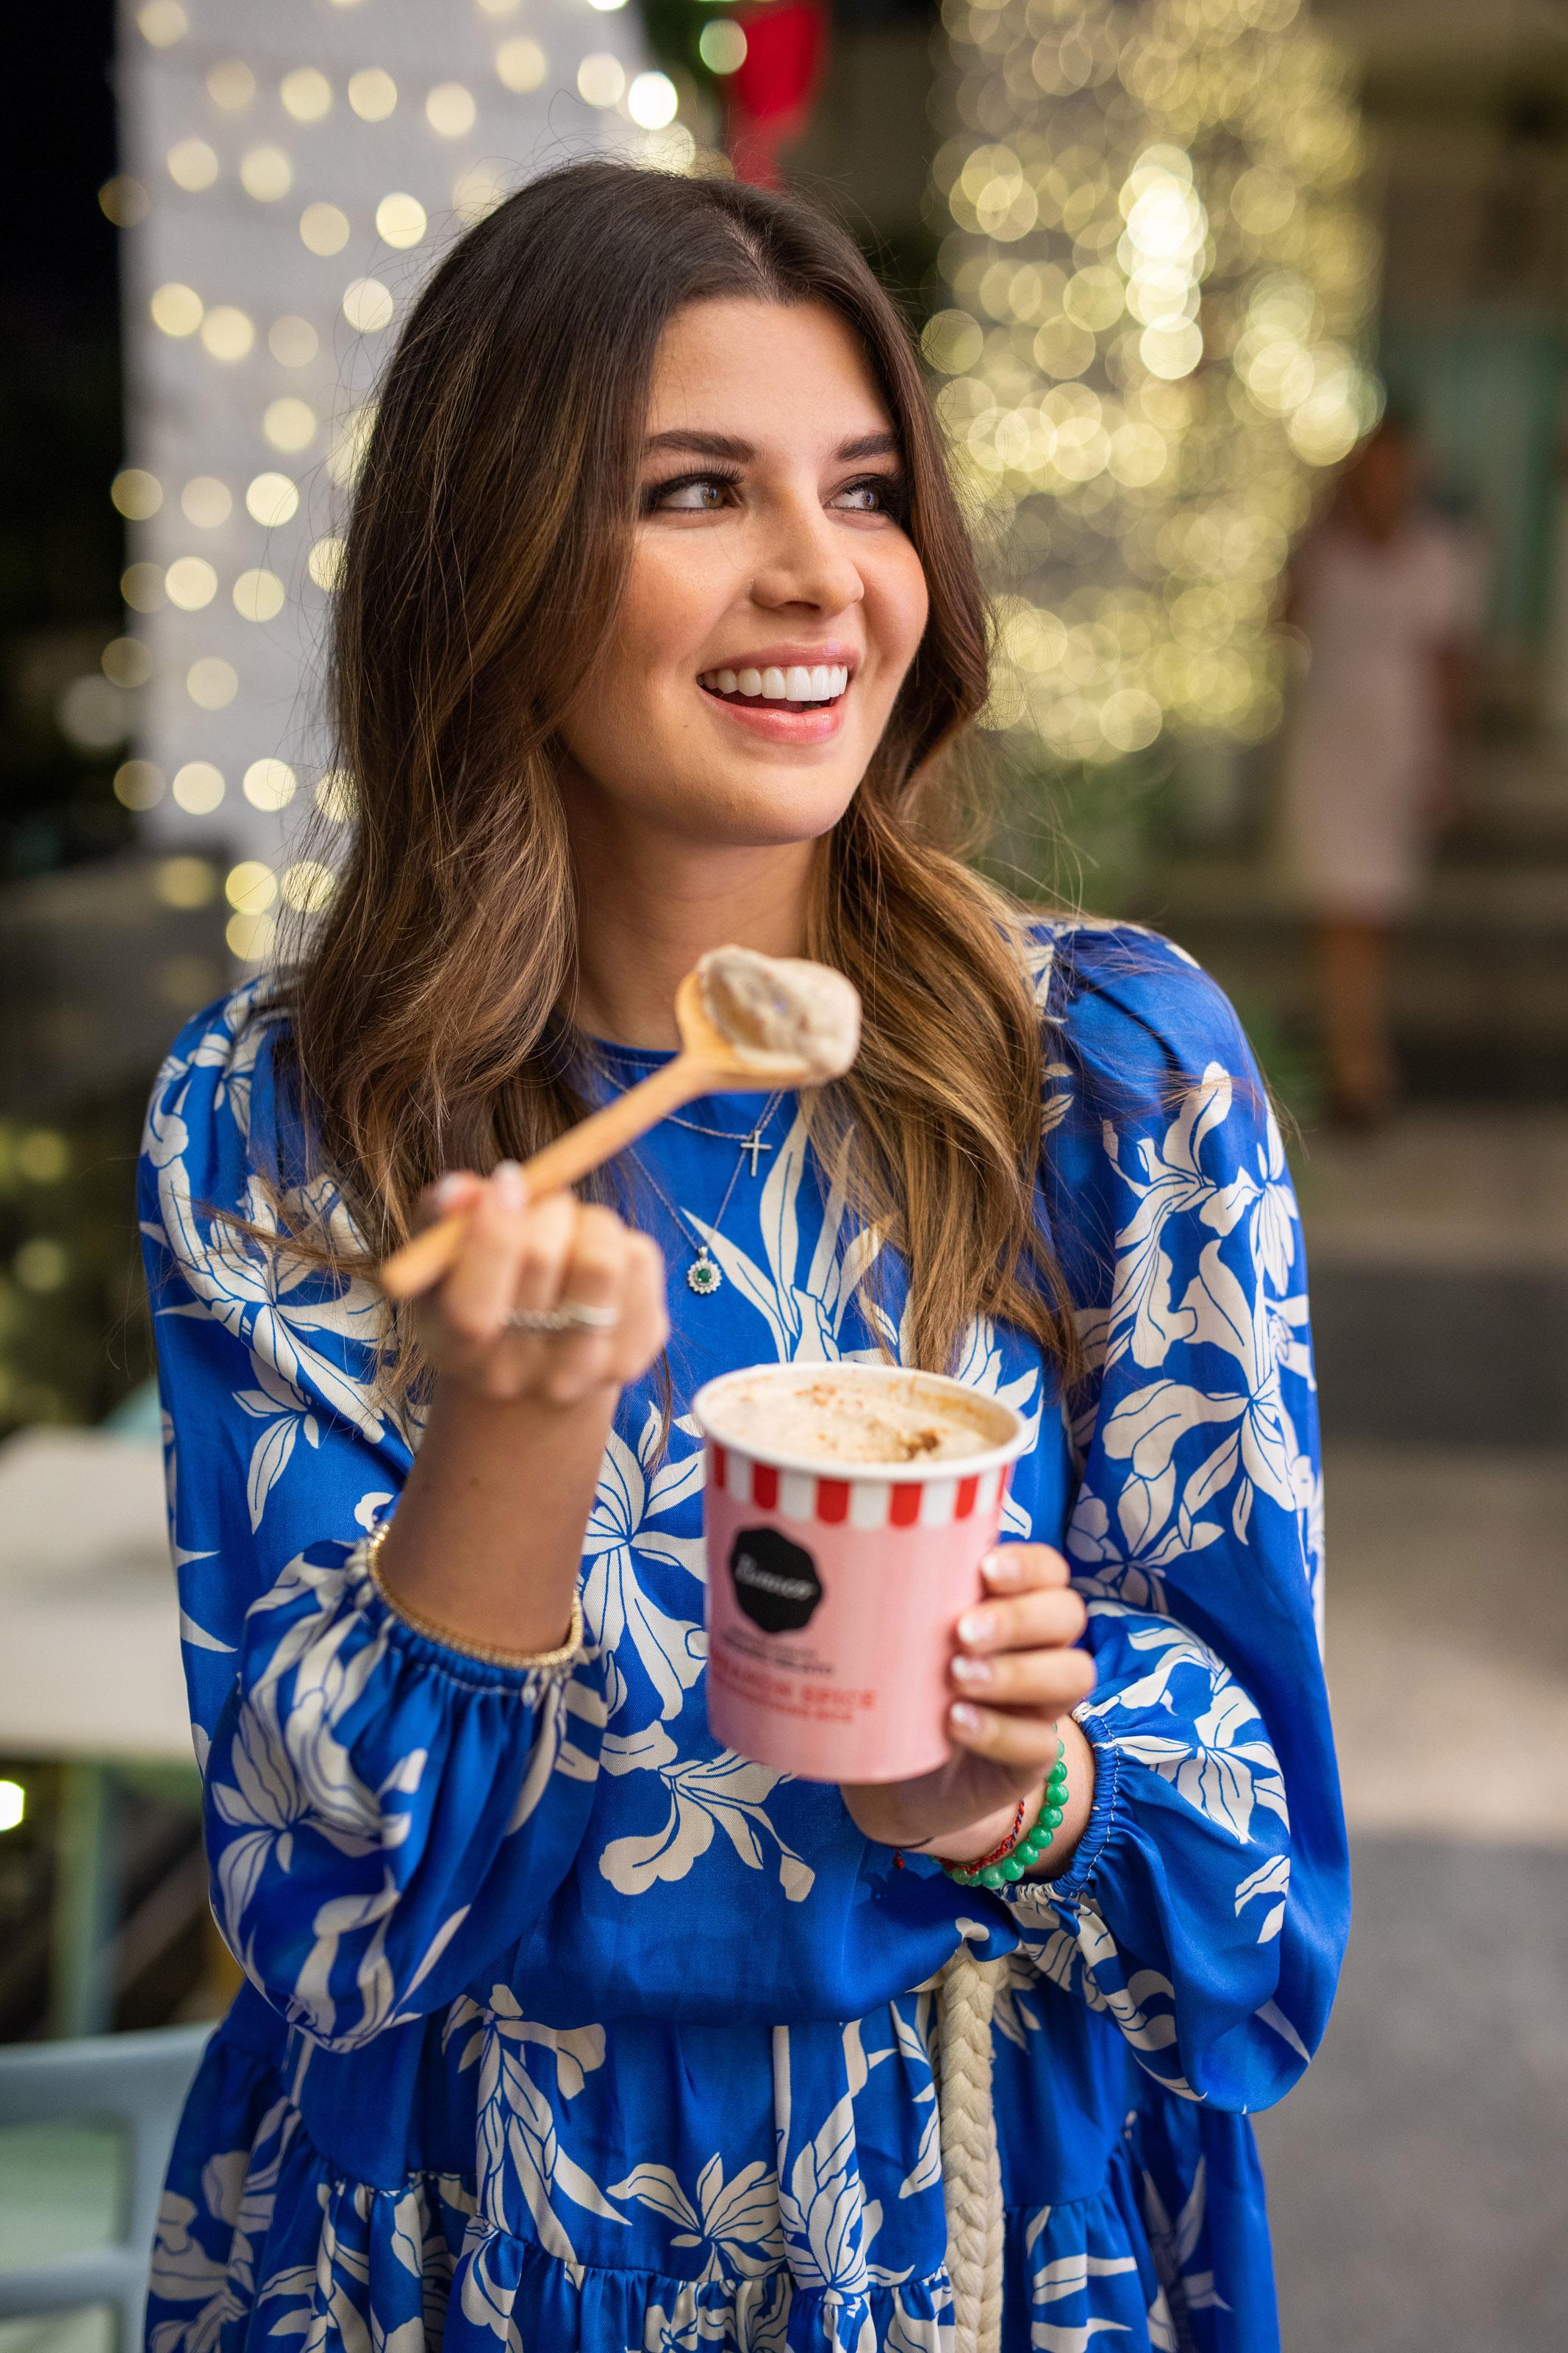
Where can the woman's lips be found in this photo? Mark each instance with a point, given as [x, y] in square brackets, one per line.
[782, 723]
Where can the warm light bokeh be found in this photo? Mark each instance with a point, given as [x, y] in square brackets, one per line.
[1160, 281]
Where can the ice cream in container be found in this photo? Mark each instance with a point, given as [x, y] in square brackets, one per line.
[846, 1510]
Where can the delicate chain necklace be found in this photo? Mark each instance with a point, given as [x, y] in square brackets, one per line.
[751, 1142]
[702, 1276]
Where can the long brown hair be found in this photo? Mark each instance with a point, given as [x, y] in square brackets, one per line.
[486, 555]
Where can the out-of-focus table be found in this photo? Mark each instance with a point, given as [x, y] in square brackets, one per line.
[89, 1667]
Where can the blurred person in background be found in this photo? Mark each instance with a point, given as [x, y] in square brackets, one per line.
[1385, 592]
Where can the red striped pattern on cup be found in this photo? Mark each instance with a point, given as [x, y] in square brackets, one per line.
[934, 1501]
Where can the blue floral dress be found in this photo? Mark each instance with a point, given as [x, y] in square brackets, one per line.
[566, 2028]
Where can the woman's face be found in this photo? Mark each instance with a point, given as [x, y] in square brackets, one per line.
[775, 600]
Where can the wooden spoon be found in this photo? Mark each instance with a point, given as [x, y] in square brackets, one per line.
[708, 1063]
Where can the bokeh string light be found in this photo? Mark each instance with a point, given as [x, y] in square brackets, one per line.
[1159, 285]
[291, 175]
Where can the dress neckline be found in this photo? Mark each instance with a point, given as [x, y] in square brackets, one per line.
[630, 1062]
[648, 1057]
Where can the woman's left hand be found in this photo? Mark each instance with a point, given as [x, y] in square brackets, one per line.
[1016, 1676]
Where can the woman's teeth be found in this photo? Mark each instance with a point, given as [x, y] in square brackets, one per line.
[822, 683]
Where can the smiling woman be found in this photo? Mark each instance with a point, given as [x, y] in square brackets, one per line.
[641, 429]
[799, 532]
[565, 2026]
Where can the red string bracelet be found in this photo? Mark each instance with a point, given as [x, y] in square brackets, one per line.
[997, 1853]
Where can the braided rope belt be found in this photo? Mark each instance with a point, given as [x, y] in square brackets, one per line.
[971, 2163]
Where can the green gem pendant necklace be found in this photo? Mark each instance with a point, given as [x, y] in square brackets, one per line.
[702, 1276]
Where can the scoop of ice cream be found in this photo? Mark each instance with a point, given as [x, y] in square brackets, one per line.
[775, 1009]
[839, 1417]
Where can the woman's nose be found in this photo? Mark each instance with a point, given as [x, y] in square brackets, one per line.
[805, 562]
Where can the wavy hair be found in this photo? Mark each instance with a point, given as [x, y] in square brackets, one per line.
[432, 1007]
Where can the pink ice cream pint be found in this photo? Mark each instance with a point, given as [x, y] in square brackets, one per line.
[847, 1510]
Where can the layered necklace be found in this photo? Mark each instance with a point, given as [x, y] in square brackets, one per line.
[702, 1276]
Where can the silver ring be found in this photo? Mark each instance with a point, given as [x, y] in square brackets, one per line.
[572, 1316]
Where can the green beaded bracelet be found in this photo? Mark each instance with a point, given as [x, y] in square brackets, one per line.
[1031, 1845]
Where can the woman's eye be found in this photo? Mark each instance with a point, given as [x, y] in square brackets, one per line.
[697, 494]
[880, 495]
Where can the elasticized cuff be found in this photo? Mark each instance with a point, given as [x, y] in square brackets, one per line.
[1104, 1816]
[555, 1664]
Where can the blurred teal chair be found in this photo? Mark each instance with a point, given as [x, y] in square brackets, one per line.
[134, 2085]
[138, 1414]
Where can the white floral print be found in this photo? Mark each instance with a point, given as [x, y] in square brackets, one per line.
[567, 2027]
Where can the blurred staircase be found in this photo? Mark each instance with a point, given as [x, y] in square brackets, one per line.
[1438, 1245]
[1481, 982]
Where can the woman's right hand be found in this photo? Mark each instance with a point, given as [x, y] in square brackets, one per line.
[519, 1254]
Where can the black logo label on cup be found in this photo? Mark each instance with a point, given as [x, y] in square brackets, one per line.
[776, 1584]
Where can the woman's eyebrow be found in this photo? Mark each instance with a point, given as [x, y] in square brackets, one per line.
[706, 445]
[725, 445]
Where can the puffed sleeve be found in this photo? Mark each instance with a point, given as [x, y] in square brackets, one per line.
[384, 1813]
[1206, 1906]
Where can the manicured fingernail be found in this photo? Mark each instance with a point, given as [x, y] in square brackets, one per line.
[976, 1626]
[1000, 1568]
[449, 1191]
[510, 1191]
[973, 1670]
[963, 1718]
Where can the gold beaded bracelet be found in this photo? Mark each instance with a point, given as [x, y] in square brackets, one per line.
[565, 1654]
